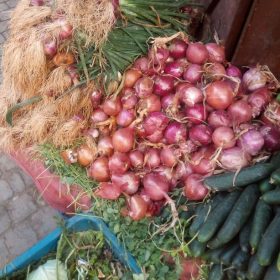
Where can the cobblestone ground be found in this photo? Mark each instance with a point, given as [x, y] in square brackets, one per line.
[24, 217]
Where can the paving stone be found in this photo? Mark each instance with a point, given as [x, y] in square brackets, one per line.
[6, 163]
[16, 182]
[2, 39]
[5, 221]
[3, 7]
[44, 221]
[11, 3]
[20, 207]
[20, 238]
[3, 25]
[27, 179]
[5, 15]
[4, 255]
[6, 192]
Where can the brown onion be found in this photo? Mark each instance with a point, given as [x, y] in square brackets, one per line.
[86, 155]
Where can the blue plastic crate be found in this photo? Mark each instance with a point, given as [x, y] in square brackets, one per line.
[49, 243]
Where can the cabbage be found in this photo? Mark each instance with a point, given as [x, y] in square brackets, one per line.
[51, 270]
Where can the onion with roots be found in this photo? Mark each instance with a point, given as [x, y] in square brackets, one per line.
[177, 48]
[144, 87]
[223, 137]
[169, 156]
[118, 163]
[193, 73]
[150, 104]
[164, 85]
[86, 155]
[155, 121]
[138, 207]
[190, 95]
[128, 182]
[95, 98]
[233, 71]
[251, 142]
[108, 190]
[136, 158]
[98, 116]
[216, 52]
[197, 53]
[158, 56]
[200, 134]
[142, 64]
[196, 114]
[112, 106]
[129, 99]
[182, 171]
[271, 135]
[123, 140]
[152, 158]
[240, 112]
[131, 76]
[194, 188]
[105, 146]
[219, 118]
[175, 133]
[258, 100]
[201, 162]
[254, 79]
[125, 117]
[174, 69]
[99, 170]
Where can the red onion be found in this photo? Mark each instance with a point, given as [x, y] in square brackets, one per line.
[130, 77]
[95, 98]
[158, 56]
[215, 70]
[177, 48]
[219, 95]
[194, 188]
[152, 158]
[155, 186]
[174, 69]
[66, 31]
[73, 72]
[92, 132]
[156, 137]
[108, 191]
[200, 134]
[129, 99]
[136, 158]
[197, 53]
[183, 170]
[183, 62]
[223, 137]
[251, 142]
[125, 117]
[123, 140]
[233, 71]
[150, 104]
[128, 182]
[112, 106]
[219, 118]
[175, 133]
[190, 95]
[105, 146]
[98, 116]
[144, 87]
[137, 207]
[37, 2]
[169, 156]
[216, 52]
[271, 135]
[164, 85]
[240, 112]
[50, 47]
[167, 101]
[141, 64]
[258, 100]
[99, 170]
[234, 159]
[254, 79]
[155, 121]
[119, 163]
[196, 114]
[69, 156]
[193, 73]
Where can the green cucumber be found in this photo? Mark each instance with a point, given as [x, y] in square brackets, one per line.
[278, 262]
[244, 236]
[275, 160]
[272, 273]
[240, 260]
[231, 274]
[266, 186]
[214, 255]
[261, 219]
[227, 256]
[270, 243]
[272, 197]
[217, 217]
[255, 270]
[237, 217]
[246, 176]
[275, 177]
[197, 248]
[216, 272]
[241, 275]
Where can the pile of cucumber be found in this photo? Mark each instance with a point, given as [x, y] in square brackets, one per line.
[238, 230]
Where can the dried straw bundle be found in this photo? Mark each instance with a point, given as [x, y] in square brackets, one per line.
[94, 18]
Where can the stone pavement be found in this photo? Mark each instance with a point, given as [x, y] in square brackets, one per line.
[24, 217]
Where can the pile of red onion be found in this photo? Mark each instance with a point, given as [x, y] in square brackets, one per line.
[183, 113]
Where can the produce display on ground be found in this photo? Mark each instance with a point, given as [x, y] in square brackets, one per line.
[175, 147]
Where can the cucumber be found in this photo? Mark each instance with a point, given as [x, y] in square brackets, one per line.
[244, 236]
[266, 186]
[217, 217]
[246, 176]
[275, 177]
[272, 197]
[214, 255]
[237, 217]
[197, 248]
[240, 260]
[216, 272]
[270, 243]
[272, 273]
[227, 256]
[202, 213]
[231, 274]
[261, 219]
[255, 270]
[241, 275]
[275, 160]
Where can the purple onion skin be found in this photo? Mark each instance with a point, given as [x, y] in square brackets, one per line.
[175, 133]
[164, 85]
[251, 142]
[271, 135]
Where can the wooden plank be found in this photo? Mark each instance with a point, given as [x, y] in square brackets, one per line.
[260, 40]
